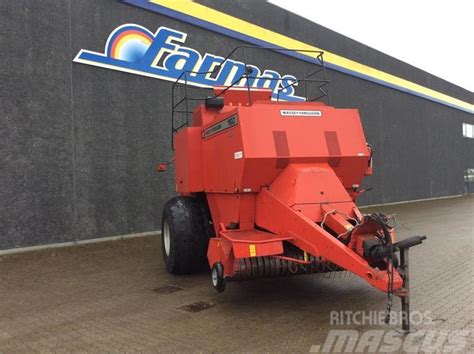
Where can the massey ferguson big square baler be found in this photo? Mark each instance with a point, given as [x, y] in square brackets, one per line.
[268, 188]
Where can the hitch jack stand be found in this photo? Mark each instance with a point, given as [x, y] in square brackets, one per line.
[406, 286]
[403, 247]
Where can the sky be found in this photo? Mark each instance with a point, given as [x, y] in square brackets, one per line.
[435, 36]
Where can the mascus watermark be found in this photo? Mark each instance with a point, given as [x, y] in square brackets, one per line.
[387, 341]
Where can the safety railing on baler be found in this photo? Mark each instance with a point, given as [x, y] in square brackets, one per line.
[181, 106]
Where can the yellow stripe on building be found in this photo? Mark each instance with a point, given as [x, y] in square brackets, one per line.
[201, 12]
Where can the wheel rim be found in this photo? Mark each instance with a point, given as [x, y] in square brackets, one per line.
[166, 237]
[214, 276]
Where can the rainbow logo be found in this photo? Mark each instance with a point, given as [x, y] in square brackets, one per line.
[129, 43]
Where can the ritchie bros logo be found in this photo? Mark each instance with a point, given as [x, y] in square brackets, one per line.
[134, 49]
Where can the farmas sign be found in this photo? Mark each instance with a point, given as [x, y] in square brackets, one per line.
[134, 49]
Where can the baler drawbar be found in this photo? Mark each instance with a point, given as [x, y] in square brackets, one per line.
[268, 188]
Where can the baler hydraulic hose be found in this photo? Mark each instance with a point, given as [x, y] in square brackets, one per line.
[386, 243]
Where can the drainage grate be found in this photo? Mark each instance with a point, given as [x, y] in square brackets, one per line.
[197, 306]
[167, 289]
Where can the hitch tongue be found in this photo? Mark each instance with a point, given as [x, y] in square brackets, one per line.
[409, 242]
[379, 252]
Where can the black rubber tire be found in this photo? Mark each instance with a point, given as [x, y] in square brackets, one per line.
[188, 235]
[217, 277]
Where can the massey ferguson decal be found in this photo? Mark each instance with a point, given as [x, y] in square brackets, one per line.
[134, 49]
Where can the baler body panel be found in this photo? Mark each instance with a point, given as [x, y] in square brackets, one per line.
[250, 154]
[188, 159]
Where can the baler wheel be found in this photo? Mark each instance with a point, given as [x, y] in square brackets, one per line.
[184, 231]
[217, 277]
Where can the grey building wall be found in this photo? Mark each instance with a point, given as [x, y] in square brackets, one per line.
[79, 144]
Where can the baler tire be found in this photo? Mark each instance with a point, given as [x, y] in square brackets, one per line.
[184, 236]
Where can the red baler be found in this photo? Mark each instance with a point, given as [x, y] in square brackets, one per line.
[268, 189]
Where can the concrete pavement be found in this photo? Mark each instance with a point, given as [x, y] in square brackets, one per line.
[115, 296]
